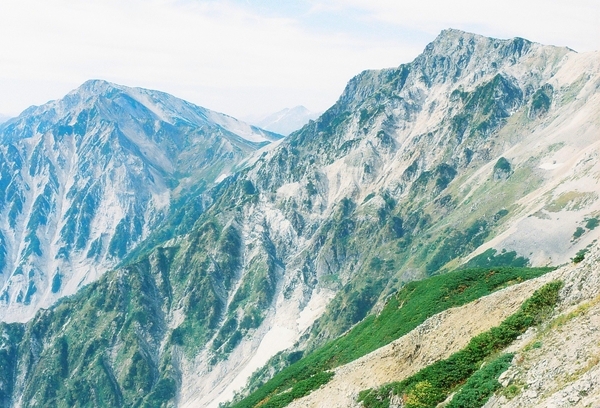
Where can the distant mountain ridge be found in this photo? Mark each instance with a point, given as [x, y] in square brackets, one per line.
[85, 178]
[287, 120]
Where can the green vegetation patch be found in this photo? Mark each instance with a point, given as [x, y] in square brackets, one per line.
[299, 390]
[10, 337]
[502, 165]
[491, 258]
[571, 201]
[403, 312]
[579, 256]
[434, 383]
[541, 101]
[592, 223]
[480, 386]
[485, 109]
[456, 243]
[578, 233]
[570, 92]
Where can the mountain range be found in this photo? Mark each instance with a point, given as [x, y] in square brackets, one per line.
[287, 120]
[204, 257]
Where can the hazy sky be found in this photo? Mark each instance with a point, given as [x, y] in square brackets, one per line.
[247, 57]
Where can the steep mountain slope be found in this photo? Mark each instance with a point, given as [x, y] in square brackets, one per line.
[85, 178]
[477, 144]
[287, 120]
[436, 339]
[417, 166]
[555, 363]
[403, 312]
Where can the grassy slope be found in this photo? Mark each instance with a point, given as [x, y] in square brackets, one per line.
[403, 312]
[434, 383]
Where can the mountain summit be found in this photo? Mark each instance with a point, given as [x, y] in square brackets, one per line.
[85, 178]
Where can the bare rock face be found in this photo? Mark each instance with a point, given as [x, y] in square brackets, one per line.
[558, 367]
[84, 179]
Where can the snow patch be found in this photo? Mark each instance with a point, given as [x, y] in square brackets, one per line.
[314, 309]
[276, 340]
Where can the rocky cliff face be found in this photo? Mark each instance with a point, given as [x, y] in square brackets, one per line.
[557, 365]
[85, 178]
[479, 149]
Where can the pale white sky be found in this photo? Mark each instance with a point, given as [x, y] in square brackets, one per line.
[245, 57]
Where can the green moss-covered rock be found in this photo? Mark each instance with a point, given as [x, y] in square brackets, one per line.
[541, 101]
[502, 169]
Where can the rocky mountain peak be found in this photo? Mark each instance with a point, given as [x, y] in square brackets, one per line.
[456, 42]
[83, 97]
[85, 178]
[455, 59]
[95, 86]
[456, 55]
